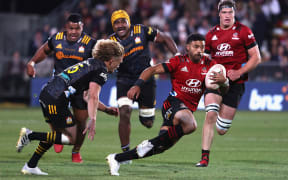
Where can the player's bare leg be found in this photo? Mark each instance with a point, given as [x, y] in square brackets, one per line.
[212, 102]
[81, 117]
[124, 127]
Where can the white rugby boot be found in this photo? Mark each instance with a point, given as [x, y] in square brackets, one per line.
[35, 171]
[23, 138]
[114, 165]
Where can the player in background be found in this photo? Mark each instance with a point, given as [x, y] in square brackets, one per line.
[135, 39]
[68, 47]
[187, 74]
[87, 76]
[233, 45]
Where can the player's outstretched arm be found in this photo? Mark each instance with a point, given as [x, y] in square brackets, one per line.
[168, 41]
[135, 90]
[39, 56]
[93, 101]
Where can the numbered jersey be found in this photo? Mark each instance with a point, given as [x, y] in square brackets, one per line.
[188, 78]
[68, 53]
[137, 55]
[76, 78]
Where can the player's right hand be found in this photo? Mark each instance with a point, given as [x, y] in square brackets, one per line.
[134, 92]
[30, 70]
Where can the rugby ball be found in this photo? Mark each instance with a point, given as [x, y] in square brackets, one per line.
[217, 68]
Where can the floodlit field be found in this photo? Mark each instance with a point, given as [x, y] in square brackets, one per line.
[255, 148]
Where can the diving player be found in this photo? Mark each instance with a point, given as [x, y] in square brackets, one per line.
[187, 74]
[87, 76]
[68, 47]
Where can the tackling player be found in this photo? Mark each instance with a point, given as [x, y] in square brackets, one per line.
[89, 76]
[233, 45]
[188, 74]
[135, 39]
[68, 48]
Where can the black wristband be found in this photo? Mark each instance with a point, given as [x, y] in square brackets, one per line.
[139, 82]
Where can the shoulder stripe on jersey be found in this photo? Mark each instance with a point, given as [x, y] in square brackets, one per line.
[251, 45]
[166, 69]
[86, 39]
[59, 36]
[113, 38]
[137, 29]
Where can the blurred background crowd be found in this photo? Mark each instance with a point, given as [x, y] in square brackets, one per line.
[22, 32]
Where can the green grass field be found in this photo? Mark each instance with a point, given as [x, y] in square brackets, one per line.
[255, 148]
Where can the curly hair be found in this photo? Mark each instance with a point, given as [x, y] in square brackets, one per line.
[105, 49]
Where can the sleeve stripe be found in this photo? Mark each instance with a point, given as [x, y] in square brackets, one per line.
[251, 45]
[165, 67]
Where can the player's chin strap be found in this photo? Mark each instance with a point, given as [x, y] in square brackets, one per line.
[223, 124]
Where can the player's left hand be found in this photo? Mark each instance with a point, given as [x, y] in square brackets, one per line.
[112, 111]
[233, 74]
[91, 128]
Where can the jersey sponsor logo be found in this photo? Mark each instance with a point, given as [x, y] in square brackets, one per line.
[214, 38]
[184, 69]
[59, 46]
[139, 48]
[235, 36]
[224, 50]
[191, 90]
[60, 55]
[193, 83]
[81, 49]
[137, 40]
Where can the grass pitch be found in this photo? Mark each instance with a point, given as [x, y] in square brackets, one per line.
[256, 147]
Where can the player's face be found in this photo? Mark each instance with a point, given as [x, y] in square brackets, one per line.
[121, 28]
[195, 50]
[74, 31]
[227, 16]
[114, 64]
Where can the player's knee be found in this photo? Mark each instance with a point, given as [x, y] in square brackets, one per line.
[212, 112]
[190, 128]
[125, 112]
[223, 125]
[147, 116]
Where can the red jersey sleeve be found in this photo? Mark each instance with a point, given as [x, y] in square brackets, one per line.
[208, 42]
[248, 37]
[171, 65]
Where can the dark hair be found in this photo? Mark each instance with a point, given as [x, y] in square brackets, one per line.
[75, 18]
[226, 3]
[195, 37]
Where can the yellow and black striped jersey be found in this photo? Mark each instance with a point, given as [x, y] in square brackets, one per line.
[69, 53]
[137, 54]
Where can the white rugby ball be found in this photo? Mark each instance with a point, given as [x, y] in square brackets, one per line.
[217, 68]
